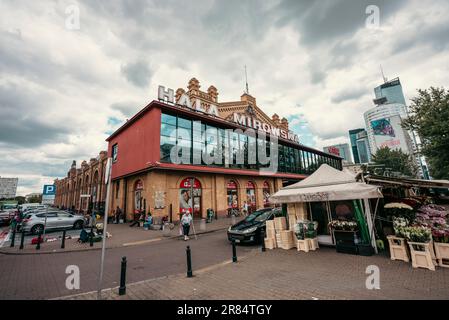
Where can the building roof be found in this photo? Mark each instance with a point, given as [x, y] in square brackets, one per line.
[406, 182]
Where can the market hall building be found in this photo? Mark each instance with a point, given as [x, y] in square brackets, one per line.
[147, 175]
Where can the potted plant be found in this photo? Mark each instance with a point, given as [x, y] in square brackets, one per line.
[436, 218]
[398, 248]
[419, 240]
[345, 234]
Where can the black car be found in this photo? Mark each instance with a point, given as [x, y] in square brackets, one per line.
[248, 230]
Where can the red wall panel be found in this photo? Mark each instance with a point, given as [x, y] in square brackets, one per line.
[138, 144]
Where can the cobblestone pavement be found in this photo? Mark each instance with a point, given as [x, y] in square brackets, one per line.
[122, 235]
[43, 276]
[288, 274]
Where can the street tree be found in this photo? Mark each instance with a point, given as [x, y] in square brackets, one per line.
[395, 160]
[429, 118]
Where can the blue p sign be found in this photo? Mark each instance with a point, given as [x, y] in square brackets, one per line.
[49, 189]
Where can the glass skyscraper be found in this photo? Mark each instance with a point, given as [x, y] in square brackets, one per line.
[353, 138]
[391, 90]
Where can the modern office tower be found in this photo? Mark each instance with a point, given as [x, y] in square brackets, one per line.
[341, 150]
[383, 124]
[391, 91]
[363, 149]
[353, 138]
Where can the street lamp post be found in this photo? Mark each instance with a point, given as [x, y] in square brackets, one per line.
[105, 223]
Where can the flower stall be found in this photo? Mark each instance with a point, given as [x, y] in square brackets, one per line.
[427, 235]
[328, 185]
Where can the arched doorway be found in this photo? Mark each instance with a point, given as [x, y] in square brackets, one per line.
[266, 193]
[251, 196]
[190, 197]
[138, 199]
[232, 194]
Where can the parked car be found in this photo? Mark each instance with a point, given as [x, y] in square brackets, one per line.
[34, 222]
[248, 230]
[6, 216]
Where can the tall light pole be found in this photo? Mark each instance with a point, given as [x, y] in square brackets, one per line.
[105, 223]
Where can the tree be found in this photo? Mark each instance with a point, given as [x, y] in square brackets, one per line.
[430, 120]
[395, 161]
[20, 199]
[35, 199]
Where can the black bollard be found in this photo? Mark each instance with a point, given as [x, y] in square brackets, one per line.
[189, 263]
[13, 240]
[91, 236]
[22, 240]
[38, 246]
[234, 252]
[262, 239]
[63, 240]
[122, 288]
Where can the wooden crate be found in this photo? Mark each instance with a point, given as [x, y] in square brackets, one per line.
[286, 236]
[287, 245]
[270, 233]
[291, 222]
[270, 243]
[398, 249]
[302, 245]
[270, 224]
[421, 259]
[280, 223]
[313, 244]
[442, 254]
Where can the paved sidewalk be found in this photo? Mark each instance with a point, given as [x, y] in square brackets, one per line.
[122, 235]
[288, 274]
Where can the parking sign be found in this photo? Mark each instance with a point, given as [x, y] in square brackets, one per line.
[48, 194]
[49, 190]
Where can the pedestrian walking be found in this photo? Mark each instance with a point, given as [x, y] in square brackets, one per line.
[245, 208]
[186, 221]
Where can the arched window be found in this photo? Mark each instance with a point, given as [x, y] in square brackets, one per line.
[232, 194]
[138, 199]
[251, 195]
[266, 193]
[190, 196]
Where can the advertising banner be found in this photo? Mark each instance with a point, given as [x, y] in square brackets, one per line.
[389, 133]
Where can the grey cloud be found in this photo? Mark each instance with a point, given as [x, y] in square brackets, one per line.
[20, 119]
[126, 108]
[320, 21]
[138, 73]
[436, 37]
[349, 94]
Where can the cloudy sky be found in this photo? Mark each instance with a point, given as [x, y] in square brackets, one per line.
[63, 88]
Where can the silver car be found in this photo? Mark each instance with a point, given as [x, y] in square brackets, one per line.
[34, 222]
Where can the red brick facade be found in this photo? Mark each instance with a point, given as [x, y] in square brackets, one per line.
[87, 180]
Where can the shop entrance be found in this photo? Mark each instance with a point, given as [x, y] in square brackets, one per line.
[325, 212]
[320, 213]
[251, 196]
[232, 195]
[190, 197]
[138, 187]
[266, 194]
